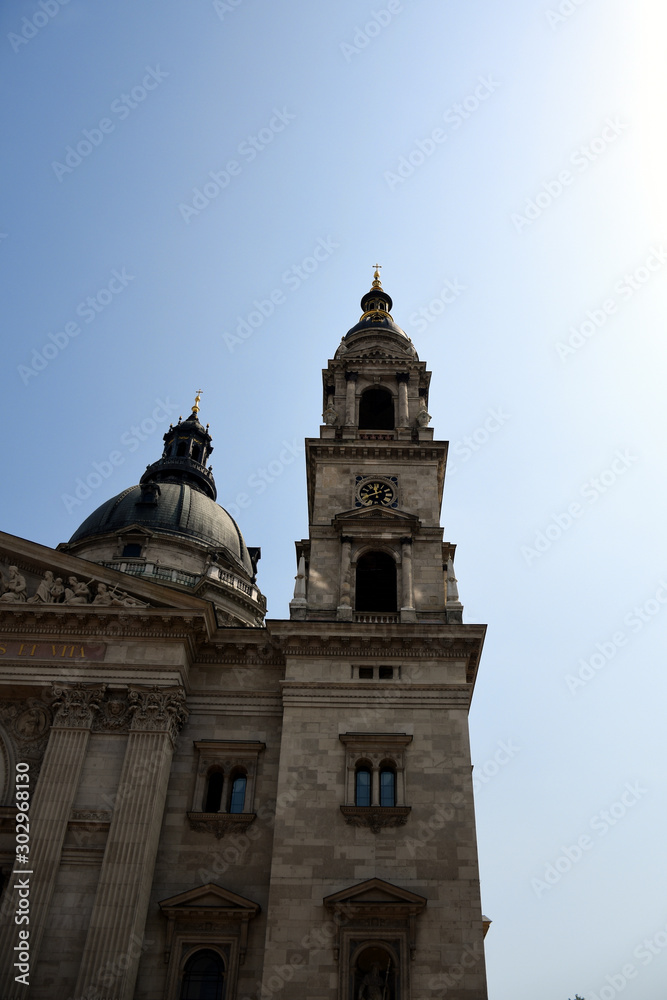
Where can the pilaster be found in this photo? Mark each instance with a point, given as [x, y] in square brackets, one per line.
[115, 939]
[50, 810]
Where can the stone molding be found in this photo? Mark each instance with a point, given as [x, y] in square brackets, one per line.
[221, 823]
[376, 817]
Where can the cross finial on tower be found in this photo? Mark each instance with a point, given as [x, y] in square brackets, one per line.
[376, 276]
[195, 408]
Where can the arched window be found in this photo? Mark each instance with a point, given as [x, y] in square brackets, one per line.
[237, 792]
[196, 452]
[387, 785]
[376, 582]
[362, 786]
[182, 450]
[213, 799]
[203, 977]
[376, 410]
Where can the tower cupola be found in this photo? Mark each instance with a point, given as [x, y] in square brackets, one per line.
[187, 447]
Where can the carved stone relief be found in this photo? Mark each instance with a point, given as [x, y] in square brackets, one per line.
[53, 589]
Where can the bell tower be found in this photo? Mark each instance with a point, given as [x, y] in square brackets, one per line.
[374, 887]
[375, 551]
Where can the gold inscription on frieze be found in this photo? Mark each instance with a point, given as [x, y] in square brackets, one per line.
[53, 651]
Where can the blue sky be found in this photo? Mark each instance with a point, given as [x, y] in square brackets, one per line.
[181, 163]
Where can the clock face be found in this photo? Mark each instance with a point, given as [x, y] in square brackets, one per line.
[374, 491]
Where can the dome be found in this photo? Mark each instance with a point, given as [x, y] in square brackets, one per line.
[175, 509]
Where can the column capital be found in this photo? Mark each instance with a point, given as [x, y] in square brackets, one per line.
[75, 707]
[351, 376]
[157, 710]
[402, 377]
[406, 540]
[346, 539]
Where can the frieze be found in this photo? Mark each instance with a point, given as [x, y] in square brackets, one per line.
[38, 650]
[53, 589]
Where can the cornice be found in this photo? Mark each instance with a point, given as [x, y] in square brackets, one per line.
[360, 449]
[105, 623]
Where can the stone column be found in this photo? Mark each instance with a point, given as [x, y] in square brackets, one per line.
[115, 937]
[344, 610]
[408, 604]
[50, 809]
[375, 785]
[350, 398]
[402, 378]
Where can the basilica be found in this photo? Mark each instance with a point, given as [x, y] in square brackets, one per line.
[200, 803]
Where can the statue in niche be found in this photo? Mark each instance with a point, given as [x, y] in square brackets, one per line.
[43, 593]
[15, 588]
[372, 985]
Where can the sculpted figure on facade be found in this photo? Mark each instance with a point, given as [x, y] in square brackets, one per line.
[43, 593]
[15, 588]
[77, 592]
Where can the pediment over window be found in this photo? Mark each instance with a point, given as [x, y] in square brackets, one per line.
[205, 910]
[206, 898]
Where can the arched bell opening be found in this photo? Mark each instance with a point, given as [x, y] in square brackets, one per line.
[376, 410]
[376, 583]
